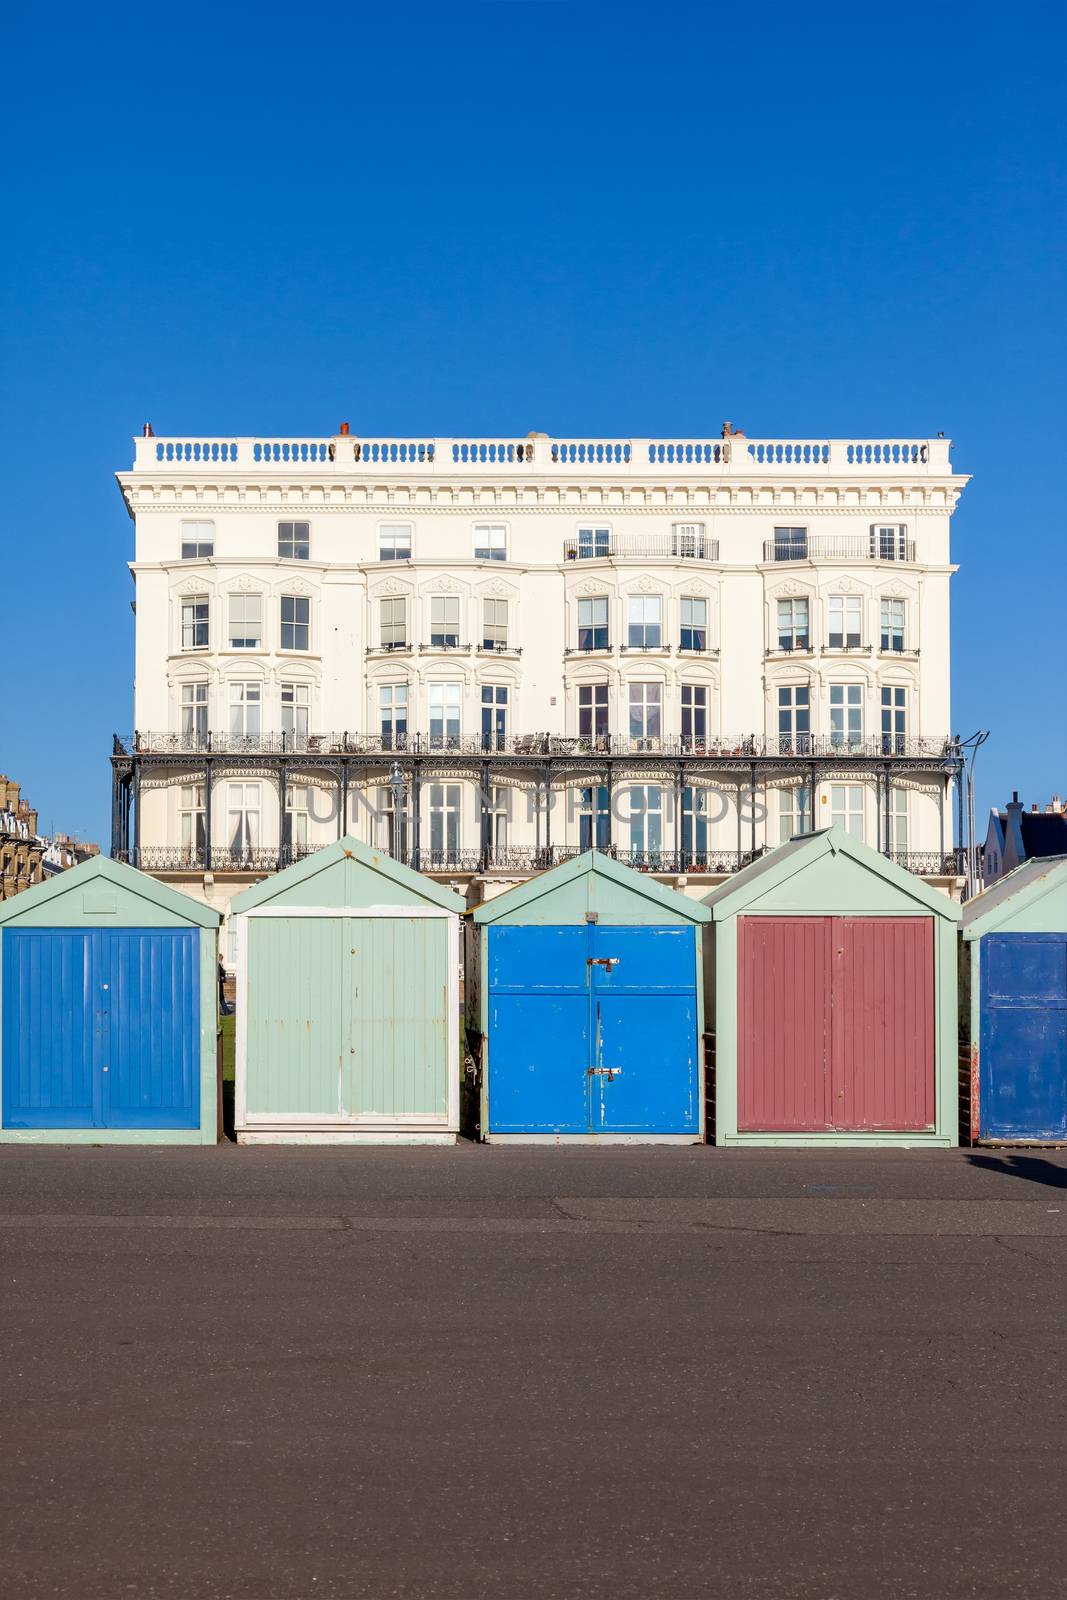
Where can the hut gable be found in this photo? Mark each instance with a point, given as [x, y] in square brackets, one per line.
[593, 887]
[1030, 899]
[107, 893]
[826, 873]
[348, 874]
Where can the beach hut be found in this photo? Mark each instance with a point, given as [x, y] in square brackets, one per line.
[347, 1003]
[108, 1011]
[1015, 969]
[584, 986]
[834, 984]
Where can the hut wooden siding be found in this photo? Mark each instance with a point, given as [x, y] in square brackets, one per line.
[586, 1008]
[1015, 971]
[347, 1003]
[835, 985]
[108, 1011]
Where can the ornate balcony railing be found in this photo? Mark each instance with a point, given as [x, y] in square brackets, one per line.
[543, 746]
[674, 546]
[804, 546]
[536, 858]
[932, 863]
[732, 456]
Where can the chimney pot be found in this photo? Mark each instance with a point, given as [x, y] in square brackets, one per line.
[343, 430]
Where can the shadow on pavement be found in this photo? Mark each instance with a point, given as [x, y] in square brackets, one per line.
[1035, 1169]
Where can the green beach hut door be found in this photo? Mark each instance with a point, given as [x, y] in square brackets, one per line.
[347, 1017]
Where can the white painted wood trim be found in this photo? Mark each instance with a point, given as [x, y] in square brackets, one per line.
[327, 1136]
[452, 1020]
[240, 1115]
[240, 1045]
[348, 911]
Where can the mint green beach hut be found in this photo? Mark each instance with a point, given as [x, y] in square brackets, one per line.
[833, 986]
[347, 1003]
[108, 1011]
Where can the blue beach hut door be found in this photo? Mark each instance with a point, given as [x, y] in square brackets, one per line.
[101, 1028]
[593, 1030]
[1023, 1060]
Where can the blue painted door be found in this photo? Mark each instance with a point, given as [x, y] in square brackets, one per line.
[1023, 1043]
[593, 1030]
[100, 1028]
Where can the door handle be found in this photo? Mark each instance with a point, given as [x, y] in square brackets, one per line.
[604, 1072]
[602, 961]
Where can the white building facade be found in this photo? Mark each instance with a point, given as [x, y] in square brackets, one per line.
[483, 655]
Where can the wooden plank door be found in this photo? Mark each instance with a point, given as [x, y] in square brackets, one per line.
[1023, 1052]
[882, 1076]
[783, 1024]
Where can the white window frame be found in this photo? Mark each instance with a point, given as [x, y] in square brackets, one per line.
[244, 632]
[846, 610]
[300, 542]
[296, 622]
[644, 699]
[598, 700]
[894, 706]
[445, 703]
[191, 623]
[490, 541]
[646, 818]
[644, 616]
[848, 808]
[594, 619]
[688, 541]
[694, 708]
[496, 715]
[444, 627]
[244, 701]
[444, 806]
[846, 715]
[244, 816]
[794, 812]
[393, 631]
[889, 541]
[194, 709]
[592, 541]
[196, 545]
[494, 623]
[898, 820]
[693, 618]
[396, 541]
[394, 702]
[794, 718]
[296, 709]
[891, 606]
[192, 820]
[793, 616]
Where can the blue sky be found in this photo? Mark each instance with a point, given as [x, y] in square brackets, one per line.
[492, 218]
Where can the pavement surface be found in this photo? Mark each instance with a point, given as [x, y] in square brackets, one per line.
[278, 1374]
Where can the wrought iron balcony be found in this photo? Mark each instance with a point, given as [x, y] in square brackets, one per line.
[600, 544]
[932, 863]
[542, 746]
[536, 858]
[804, 546]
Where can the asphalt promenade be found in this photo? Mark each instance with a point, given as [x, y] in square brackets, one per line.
[281, 1374]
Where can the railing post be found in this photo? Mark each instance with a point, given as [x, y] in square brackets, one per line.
[416, 814]
[116, 810]
[135, 838]
[208, 776]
